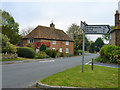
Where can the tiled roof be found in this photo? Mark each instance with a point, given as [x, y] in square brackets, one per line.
[48, 33]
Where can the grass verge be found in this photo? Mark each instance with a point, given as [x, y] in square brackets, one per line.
[16, 59]
[100, 77]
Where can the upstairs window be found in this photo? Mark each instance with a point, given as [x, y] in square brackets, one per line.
[67, 42]
[30, 40]
[53, 42]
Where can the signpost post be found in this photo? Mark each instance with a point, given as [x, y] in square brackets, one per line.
[92, 29]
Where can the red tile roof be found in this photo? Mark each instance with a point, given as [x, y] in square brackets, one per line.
[48, 33]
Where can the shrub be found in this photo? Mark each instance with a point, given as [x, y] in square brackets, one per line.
[80, 52]
[111, 53]
[77, 52]
[101, 59]
[51, 53]
[6, 45]
[43, 47]
[25, 52]
[41, 55]
[9, 48]
[61, 54]
[31, 45]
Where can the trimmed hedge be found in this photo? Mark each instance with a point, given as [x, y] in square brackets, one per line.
[110, 53]
[25, 52]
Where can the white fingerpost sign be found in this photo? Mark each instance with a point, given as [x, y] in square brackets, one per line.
[92, 29]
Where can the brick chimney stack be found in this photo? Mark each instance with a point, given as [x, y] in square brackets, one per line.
[52, 25]
[117, 21]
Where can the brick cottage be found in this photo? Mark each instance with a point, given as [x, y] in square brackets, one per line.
[50, 36]
[115, 33]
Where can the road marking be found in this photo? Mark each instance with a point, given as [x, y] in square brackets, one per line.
[88, 62]
[47, 61]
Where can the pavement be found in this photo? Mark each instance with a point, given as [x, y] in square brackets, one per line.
[104, 64]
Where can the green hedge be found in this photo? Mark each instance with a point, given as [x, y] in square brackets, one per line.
[110, 53]
[51, 53]
[25, 52]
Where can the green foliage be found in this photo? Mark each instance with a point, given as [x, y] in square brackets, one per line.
[101, 59]
[43, 47]
[79, 43]
[98, 44]
[61, 54]
[25, 52]
[92, 47]
[41, 55]
[31, 45]
[6, 45]
[10, 27]
[77, 52]
[51, 53]
[111, 53]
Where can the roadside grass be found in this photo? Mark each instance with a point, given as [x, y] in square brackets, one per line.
[16, 59]
[100, 77]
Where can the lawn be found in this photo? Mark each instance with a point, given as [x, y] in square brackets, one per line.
[100, 77]
[16, 59]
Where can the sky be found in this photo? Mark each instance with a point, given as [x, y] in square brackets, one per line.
[63, 13]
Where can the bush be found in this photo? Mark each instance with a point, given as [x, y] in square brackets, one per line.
[77, 52]
[41, 55]
[6, 45]
[51, 53]
[61, 54]
[9, 48]
[111, 53]
[80, 52]
[30, 45]
[25, 52]
[101, 59]
[43, 47]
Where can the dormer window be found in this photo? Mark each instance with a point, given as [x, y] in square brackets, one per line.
[31, 40]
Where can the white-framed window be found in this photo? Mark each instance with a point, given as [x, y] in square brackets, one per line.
[53, 48]
[67, 42]
[60, 49]
[31, 40]
[67, 50]
[53, 42]
[110, 36]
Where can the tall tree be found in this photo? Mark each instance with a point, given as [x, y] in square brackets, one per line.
[10, 27]
[73, 31]
[76, 33]
[26, 31]
[98, 44]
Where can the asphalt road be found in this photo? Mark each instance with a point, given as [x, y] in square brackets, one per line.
[22, 75]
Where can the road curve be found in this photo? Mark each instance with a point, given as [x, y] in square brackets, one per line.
[22, 75]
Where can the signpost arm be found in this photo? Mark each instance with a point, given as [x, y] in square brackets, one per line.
[83, 51]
